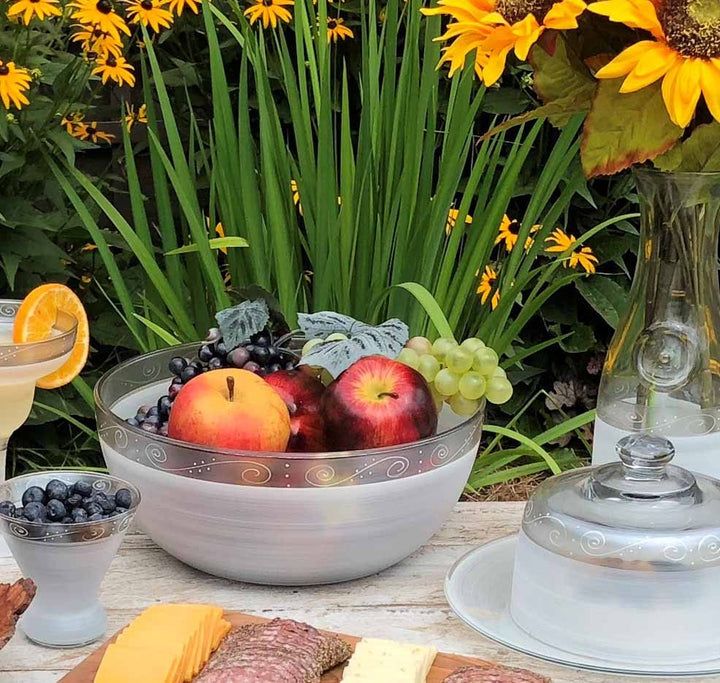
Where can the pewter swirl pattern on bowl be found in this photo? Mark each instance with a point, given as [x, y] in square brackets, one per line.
[122, 389]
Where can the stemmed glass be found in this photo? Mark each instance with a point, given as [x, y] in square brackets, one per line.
[21, 366]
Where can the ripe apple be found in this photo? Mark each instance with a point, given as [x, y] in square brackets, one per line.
[378, 402]
[302, 394]
[233, 409]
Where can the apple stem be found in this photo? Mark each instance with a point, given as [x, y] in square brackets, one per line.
[231, 387]
[391, 394]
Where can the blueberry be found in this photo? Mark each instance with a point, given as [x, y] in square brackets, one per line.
[93, 508]
[67, 520]
[133, 422]
[74, 500]
[123, 498]
[8, 508]
[107, 505]
[35, 512]
[33, 495]
[119, 510]
[275, 367]
[82, 488]
[55, 510]
[215, 363]
[57, 490]
[177, 365]
[149, 427]
[189, 373]
[97, 517]
[238, 357]
[79, 515]
[260, 354]
[262, 338]
[164, 405]
[99, 497]
[221, 349]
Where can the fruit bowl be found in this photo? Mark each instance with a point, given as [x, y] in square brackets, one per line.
[280, 518]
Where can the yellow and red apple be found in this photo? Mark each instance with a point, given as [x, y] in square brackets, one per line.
[378, 402]
[233, 409]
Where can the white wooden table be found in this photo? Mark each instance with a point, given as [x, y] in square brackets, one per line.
[405, 602]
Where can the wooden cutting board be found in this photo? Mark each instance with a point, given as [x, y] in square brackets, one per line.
[443, 666]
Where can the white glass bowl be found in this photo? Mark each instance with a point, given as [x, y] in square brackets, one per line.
[67, 562]
[280, 518]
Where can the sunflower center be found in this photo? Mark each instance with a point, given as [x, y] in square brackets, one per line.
[692, 27]
[4, 69]
[111, 61]
[103, 6]
[516, 10]
[267, 3]
[90, 130]
[146, 5]
[332, 24]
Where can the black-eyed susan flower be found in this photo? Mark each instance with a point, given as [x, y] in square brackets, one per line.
[488, 287]
[683, 51]
[27, 9]
[270, 11]
[72, 120]
[99, 14]
[336, 29]
[296, 195]
[493, 28]
[115, 68]
[177, 7]
[94, 40]
[560, 242]
[14, 84]
[133, 116]
[91, 133]
[509, 232]
[452, 217]
[149, 13]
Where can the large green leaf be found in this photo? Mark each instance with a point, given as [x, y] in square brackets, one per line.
[700, 152]
[625, 129]
[606, 296]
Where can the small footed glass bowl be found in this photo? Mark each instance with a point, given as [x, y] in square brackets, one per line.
[67, 562]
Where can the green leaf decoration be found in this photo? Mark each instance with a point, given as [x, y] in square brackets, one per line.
[239, 323]
[625, 129]
[606, 296]
[562, 81]
[386, 339]
[700, 152]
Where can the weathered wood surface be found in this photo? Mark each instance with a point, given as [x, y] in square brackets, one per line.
[405, 602]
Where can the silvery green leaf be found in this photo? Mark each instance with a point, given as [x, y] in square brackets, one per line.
[323, 323]
[238, 323]
[386, 339]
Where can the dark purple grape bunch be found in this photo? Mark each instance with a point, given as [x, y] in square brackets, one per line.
[62, 503]
[259, 355]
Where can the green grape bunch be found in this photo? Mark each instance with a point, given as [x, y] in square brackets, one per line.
[460, 375]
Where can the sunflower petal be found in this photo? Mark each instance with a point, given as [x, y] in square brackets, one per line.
[626, 61]
[495, 66]
[653, 65]
[681, 91]
[710, 84]
[640, 14]
[563, 15]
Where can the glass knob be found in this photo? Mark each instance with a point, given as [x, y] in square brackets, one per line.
[645, 452]
[666, 354]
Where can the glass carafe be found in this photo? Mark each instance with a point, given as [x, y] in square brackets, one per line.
[662, 372]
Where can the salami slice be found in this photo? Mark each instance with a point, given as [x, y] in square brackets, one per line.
[494, 673]
[281, 651]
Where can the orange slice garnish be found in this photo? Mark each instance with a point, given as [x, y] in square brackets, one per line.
[35, 320]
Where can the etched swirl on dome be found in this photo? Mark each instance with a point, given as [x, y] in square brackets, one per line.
[93, 534]
[156, 454]
[676, 551]
[8, 310]
[440, 455]
[320, 475]
[593, 543]
[558, 533]
[254, 472]
[323, 476]
[17, 530]
[101, 485]
[709, 548]
[124, 523]
[116, 436]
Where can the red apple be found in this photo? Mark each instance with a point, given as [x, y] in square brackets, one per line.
[302, 393]
[233, 409]
[378, 402]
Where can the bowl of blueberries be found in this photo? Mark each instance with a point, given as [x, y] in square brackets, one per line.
[64, 529]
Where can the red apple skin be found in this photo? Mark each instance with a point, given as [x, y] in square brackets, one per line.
[255, 419]
[302, 393]
[378, 402]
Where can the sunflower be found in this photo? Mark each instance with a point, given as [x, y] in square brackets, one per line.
[115, 68]
[269, 11]
[14, 83]
[34, 8]
[684, 52]
[178, 6]
[133, 116]
[99, 14]
[560, 242]
[219, 231]
[336, 29]
[149, 13]
[488, 282]
[90, 133]
[492, 28]
[296, 195]
[97, 41]
[509, 232]
[452, 220]
[72, 120]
